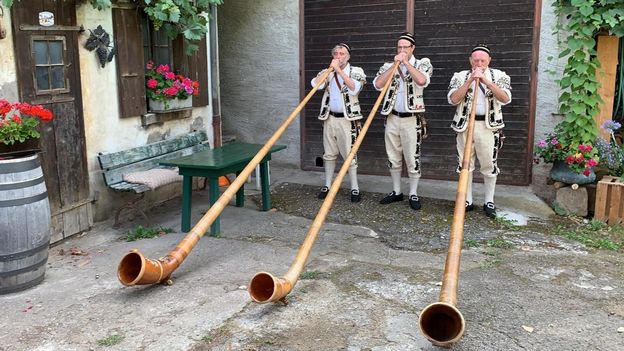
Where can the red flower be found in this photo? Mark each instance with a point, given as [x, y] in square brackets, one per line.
[152, 83]
[16, 119]
[570, 159]
[586, 172]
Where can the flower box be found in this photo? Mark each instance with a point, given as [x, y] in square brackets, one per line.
[170, 105]
[610, 200]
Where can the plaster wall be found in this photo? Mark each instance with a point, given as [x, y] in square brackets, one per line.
[105, 131]
[550, 69]
[8, 70]
[259, 67]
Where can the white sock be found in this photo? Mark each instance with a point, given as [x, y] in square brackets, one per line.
[489, 183]
[413, 184]
[396, 180]
[330, 166]
[353, 177]
[469, 188]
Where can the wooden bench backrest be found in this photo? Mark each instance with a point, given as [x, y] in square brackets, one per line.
[141, 158]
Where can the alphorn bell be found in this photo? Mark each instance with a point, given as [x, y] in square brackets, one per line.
[136, 269]
[441, 322]
[265, 287]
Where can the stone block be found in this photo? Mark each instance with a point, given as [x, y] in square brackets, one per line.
[573, 201]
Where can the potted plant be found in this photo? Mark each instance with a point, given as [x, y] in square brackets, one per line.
[573, 163]
[168, 91]
[19, 132]
[611, 153]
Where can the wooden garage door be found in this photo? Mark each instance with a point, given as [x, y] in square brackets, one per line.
[445, 31]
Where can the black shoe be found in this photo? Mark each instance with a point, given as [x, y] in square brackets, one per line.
[414, 202]
[323, 193]
[469, 207]
[392, 197]
[490, 209]
[355, 195]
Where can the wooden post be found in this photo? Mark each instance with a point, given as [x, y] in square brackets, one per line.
[608, 46]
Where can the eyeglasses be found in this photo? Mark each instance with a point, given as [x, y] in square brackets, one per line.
[404, 47]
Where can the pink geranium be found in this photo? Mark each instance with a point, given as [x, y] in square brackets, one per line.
[165, 85]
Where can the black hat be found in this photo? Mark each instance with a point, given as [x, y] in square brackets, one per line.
[408, 36]
[345, 46]
[481, 47]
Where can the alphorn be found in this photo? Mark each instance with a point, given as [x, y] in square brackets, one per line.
[265, 287]
[136, 269]
[441, 322]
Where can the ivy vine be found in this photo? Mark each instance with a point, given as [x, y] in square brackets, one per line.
[188, 18]
[579, 101]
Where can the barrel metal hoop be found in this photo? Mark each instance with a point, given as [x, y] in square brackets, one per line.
[22, 254]
[25, 269]
[24, 201]
[24, 184]
[14, 167]
[23, 286]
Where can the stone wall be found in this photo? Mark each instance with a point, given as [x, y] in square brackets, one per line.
[259, 71]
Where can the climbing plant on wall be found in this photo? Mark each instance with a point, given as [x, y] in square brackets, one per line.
[188, 18]
[581, 21]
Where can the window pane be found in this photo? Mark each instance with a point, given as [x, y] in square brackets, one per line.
[41, 52]
[56, 51]
[42, 77]
[161, 56]
[58, 77]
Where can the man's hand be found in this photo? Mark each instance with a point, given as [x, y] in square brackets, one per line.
[335, 64]
[402, 57]
[477, 73]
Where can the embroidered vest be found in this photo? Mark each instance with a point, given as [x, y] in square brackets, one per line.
[493, 114]
[350, 103]
[414, 99]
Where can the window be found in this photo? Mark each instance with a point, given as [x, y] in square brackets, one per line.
[157, 46]
[137, 42]
[49, 71]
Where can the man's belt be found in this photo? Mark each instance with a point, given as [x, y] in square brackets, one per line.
[406, 114]
[479, 117]
[337, 114]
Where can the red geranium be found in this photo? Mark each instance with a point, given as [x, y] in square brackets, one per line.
[19, 121]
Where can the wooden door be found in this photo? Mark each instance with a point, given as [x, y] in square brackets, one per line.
[446, 36]
[48, 72]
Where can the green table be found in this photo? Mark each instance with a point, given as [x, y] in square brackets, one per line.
[214, 163]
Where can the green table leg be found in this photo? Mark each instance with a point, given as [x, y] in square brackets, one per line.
[215, 228]
[266, 194]
[187, 191]
[240, 194]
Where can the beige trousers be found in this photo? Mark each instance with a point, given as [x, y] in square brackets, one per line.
[403, 137]
[485, 148]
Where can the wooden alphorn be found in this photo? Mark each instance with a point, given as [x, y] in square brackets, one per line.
[136, 269]
[441, 322]
[265, 287]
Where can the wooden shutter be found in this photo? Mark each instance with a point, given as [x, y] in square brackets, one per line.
[195, 67]
[198, 68]
[130, 70]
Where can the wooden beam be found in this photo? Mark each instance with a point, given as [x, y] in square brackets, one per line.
[608, 46]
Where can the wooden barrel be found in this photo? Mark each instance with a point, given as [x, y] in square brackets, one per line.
[24, 223]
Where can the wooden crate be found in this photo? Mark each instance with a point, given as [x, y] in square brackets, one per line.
[610, 200]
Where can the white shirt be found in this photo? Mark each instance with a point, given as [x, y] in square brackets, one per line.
[399, 104]
[335, 97]
[481, 100]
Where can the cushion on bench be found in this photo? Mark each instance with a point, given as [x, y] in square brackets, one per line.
[154, 178]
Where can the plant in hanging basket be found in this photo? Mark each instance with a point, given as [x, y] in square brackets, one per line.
[611, 152]
[166, 86]
[19, 123]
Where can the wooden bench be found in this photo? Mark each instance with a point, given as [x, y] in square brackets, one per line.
[131, 162]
